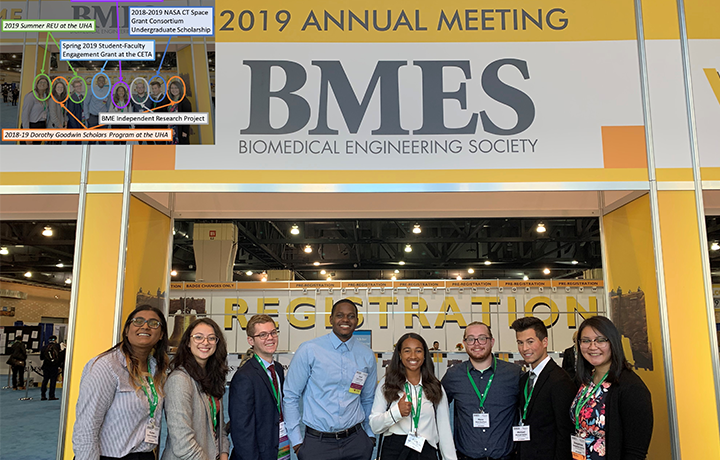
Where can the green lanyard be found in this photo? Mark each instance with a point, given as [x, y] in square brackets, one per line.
[414, 413]
[477, 392]
[153, 402]
[272, 384]
[527, 398]
[586, 396]
[213, 409]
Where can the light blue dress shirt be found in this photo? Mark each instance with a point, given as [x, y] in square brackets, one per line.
[95, 106]
[321, 373]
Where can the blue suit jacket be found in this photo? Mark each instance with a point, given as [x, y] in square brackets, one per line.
[254, 417]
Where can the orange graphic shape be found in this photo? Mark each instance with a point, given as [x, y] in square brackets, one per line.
[153, 158]
[624, 147]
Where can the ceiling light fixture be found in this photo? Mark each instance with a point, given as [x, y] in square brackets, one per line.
[60, 265]
[715, 247]
[329, 278]
[417, 229]
[546, 271]
[248, 273]
[316, 263]
[471, 270]
[459, 278]
[574, 262]
[295, 230]
[173, 273]
[408, 248]
[4, 251]
[525, 278]
[322, 272]
[397, 271]
[540, 228]
[28, 275]
[487, 262]
[68, 281]
[264, 277]
[47, 231]
[402, 262]
[394, 278]
[308, 249]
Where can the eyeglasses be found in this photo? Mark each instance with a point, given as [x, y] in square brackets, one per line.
[139, 321]
[264, 335]
[482, 340]
[599, 341]
[199, 338]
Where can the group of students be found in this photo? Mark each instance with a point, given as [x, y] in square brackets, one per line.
[43, 107]
[331, 388]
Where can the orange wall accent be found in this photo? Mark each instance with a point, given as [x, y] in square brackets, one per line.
[624, 147]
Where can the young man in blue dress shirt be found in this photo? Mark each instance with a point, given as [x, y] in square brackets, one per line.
[335, 376]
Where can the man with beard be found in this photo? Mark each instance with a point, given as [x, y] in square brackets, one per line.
[486, 393]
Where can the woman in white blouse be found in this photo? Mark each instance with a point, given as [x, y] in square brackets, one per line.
[410, 408]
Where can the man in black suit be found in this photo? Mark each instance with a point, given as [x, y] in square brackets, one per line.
[546, 395]
[257, 427]
[569, 359]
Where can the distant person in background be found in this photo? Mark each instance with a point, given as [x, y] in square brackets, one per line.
[75, 107]
[569, 358]
[35, 110]
[17, 360]
[50, 356]
[181, 133]
[15, 95]
[436, 346]
[5, 92]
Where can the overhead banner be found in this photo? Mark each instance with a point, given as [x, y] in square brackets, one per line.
[385, 86]
[437, 310]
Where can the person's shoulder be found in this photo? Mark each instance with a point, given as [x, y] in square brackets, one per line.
[507, 366]
[364, 349]
[456, 370]
[628, 379]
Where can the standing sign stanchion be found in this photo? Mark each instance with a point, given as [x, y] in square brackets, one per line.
[9, 384]
[27, 382]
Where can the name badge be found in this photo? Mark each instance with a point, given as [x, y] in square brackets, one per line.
[577, 447]
[152, 432]
[415, 442]
[481, 420]
[358, 382]
[521, 433]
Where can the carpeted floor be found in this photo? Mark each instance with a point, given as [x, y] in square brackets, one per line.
[28, 429]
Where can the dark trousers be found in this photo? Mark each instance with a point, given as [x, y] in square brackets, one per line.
[18, 378]
[357, 446]
[462, 456]
[135, 456]
[49, 375]
[393, 448]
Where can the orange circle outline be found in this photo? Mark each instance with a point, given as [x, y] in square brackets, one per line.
[67, 85]
[167, 89]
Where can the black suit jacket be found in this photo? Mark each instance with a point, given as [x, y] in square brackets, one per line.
[548, 415]
[254, 416]
[568, 362]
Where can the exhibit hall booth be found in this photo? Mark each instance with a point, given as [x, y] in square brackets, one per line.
[403, 110]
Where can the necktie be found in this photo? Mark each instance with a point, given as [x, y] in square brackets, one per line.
[271, 368]
[531, 378]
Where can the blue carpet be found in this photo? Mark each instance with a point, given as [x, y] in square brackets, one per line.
[8, 119]
[28, 429]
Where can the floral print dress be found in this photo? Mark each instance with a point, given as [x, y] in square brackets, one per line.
[592, 420]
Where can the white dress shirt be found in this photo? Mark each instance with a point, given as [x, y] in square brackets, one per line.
[435, 429]
[540, 367]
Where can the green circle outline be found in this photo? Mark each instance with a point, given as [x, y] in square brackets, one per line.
[49, 87]
[84, 84]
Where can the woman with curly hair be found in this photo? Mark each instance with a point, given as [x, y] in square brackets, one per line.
[411, 408]
[119, 407]
[194, 401]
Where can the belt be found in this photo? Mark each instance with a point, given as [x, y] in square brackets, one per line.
[337, 435]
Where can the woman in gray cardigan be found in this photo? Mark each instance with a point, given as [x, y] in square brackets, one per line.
[194, 394]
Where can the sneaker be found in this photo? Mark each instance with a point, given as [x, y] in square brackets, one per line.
[43, 398]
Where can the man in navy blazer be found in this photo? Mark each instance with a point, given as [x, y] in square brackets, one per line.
[546, 393]
[255, 403]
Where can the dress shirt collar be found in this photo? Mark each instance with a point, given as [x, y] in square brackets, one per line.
[336, 342]
[491, 368]
[265, 363]
[540, 367]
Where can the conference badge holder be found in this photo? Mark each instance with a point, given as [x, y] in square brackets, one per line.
[481, 420]
[577, 445]
[152, 432]
[521, 433]
[283, 429]
[358, 382]
[415, 442]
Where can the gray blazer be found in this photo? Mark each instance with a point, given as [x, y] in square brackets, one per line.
[189, 421]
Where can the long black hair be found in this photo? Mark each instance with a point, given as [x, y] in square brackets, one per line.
[395, 376]
[159, 352]
[212, 377]
[618, 363]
